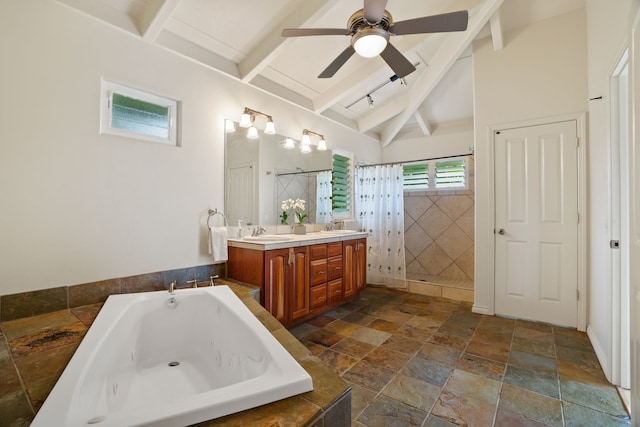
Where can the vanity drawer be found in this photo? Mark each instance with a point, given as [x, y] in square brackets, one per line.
[334, 248]
[318, 251]
[334, 267]
[318, 271]
[318, 295]
[335, 289]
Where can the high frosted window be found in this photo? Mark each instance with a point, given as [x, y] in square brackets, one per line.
[137, 114]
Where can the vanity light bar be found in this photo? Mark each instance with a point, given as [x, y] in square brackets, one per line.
[249, 116]
[306, 140]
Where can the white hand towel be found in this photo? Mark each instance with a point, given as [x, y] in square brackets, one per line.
[218, 243]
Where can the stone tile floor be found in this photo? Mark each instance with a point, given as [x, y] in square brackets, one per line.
[33, 353]
[411, 361]
[414, 360]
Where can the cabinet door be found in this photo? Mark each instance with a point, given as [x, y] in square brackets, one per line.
[299, 296]
[275, 272]
[348, 268]
[361, 264]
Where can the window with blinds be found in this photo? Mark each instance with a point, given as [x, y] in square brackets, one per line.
[450, 174]
[340, 183]
[433, 174]
[137, 114]
[415, 176]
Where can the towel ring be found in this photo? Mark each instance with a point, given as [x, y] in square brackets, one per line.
[213, 212]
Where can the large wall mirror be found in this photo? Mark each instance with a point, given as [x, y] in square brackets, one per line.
[261, 173]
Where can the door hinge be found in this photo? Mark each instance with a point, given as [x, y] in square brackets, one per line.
[578, 217]
[577, 142]
[578, 294]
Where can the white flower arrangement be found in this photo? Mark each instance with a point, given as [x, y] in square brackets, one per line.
[298, 205]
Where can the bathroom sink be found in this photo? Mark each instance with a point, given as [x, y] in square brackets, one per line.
[337, 231]
[268, 238]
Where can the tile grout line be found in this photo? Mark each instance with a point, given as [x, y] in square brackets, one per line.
[19, 373]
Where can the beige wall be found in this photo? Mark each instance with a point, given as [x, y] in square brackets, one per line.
[78, 206]
[607, 37]
[540, 73]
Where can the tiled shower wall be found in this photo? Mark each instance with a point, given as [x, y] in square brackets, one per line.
[439, 240]
[298, 186]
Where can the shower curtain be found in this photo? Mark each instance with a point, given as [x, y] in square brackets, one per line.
[323, 197]
[380, 211]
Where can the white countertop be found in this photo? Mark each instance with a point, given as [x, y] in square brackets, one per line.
[295, 240]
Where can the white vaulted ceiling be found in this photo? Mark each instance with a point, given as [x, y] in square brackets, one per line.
[242, 39]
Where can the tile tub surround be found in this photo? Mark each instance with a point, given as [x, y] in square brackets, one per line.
[27, 304]
[415, 360]
[35, 350]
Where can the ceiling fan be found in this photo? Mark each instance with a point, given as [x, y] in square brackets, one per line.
[370, 29]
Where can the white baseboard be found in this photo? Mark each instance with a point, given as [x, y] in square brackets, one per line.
[600, 353]
[480, 309]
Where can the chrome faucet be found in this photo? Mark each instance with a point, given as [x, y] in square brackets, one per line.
[172, 287]
[258, 231]
[193, 282]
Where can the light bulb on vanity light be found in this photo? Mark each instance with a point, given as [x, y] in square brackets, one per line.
[229, 126]
[245, 120]
[305, 148]
[289, 144]
[270, 128]
[252, 133]
[322, 145]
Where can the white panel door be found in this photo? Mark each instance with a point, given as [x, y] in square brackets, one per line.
[536, 222]
[240, 194]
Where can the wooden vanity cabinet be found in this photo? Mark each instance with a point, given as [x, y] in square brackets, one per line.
[319, 273]
[354, 253]
[303, 281]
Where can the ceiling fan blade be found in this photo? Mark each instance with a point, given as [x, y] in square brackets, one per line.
[373, 10]
[300, 32]
[337, 63]
[446, 22]
[398, 63]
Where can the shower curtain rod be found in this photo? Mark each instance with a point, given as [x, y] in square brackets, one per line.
[296, 173]
[419, 160]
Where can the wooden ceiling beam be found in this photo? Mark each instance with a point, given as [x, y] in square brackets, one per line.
[450, 50]
[308, 12]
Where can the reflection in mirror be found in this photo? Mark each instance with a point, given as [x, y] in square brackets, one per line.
[261, 173]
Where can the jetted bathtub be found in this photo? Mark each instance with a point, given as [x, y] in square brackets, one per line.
[166, 360]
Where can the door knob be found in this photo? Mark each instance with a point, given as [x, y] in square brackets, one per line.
[501, 232]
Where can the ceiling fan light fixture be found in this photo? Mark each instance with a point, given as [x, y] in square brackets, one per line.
[370, 42]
